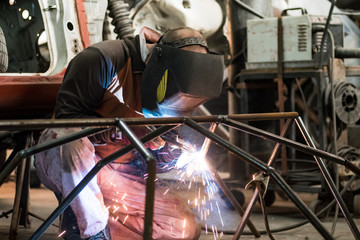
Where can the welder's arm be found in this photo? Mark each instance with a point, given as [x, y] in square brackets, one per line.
[115, 135]
[86, 79]
[83, 86]
[168, 155]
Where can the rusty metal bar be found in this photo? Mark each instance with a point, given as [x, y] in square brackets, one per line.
[257, 163]
[107, 122]
[206, 145]
[252, 202]
[98, 166]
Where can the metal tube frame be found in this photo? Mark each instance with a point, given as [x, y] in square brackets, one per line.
[170, 123]
[317, 155]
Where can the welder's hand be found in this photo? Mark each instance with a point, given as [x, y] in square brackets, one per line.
[117, 135]
[155, 144]
[186, 146]
[139, 131]
[175, 141]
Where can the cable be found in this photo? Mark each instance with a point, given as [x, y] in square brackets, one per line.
[325, 30]
[264, 212]
[331, 79]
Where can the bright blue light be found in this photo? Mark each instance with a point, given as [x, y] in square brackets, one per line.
[151, 114]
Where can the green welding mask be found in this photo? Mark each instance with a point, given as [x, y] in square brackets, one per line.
[176, 81]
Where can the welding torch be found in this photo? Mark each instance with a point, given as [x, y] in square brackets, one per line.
[175, 141]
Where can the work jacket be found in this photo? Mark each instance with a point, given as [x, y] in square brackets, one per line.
[104, 80]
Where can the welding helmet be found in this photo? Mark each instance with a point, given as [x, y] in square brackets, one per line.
[176, 81]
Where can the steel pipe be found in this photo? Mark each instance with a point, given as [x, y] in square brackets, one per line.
[108, 122]
[341, 52]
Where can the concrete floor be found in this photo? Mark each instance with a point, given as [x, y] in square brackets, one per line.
[282, 213]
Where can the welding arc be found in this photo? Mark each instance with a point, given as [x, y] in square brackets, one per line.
[276, 230]
[172, 141]
[176, 143]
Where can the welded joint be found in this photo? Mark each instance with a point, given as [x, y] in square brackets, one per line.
[222, 118]
[352, 167]
[23, 153]
[134, 140]
[219, 119]
[148, 159]
[269, 170]
[185, 119]
[117, 122]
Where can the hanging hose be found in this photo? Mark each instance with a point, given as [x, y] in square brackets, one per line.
[118, 11]
[333, 2]
[3, 53]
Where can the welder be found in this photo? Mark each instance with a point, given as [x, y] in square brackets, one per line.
[150, 74]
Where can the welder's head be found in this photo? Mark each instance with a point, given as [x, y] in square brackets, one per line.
[180, 74]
